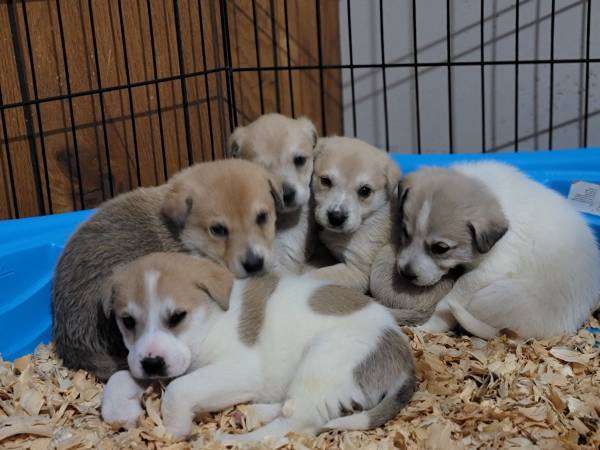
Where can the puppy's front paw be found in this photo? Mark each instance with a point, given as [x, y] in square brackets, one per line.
[122, 413]
[177, 416]
[121, 404]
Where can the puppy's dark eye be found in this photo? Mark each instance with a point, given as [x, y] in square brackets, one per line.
[176, 318]
[219, 230]
[364, 191]
[326, 181]
[261, 218]
[299, 161]
[439, 248]
[128, 322]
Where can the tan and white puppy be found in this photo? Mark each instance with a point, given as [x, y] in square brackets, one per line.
[531, 261]
[285, 147]
[354, 186]
[224, 210]
[345, 364]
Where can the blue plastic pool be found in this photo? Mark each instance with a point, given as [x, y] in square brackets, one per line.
[29, 248]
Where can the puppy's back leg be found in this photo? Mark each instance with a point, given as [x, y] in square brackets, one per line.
[503, 304]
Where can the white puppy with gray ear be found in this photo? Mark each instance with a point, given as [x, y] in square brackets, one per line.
[285, 147]
[309, 356]
[532, 263]
[354, 186]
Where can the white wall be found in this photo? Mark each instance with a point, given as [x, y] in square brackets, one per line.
[499, 44]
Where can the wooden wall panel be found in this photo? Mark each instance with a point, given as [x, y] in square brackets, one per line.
[273, 51]
[74, 151]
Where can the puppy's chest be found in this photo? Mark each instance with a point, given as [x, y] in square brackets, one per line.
[293, 241]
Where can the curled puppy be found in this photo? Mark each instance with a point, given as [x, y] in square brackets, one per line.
[531, 261]
[346, 366]
[354, 186]
[224, 210]
[285, 147]
[410, 304]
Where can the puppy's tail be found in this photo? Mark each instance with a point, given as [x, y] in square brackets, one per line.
[388, 408]
[409, 317]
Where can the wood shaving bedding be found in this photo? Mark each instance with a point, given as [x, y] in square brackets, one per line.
[504, 393]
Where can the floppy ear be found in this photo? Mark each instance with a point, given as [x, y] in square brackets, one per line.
[402, 194]
[319, 146]
[177, 205]
[111, 290]
[310, 129]
[216, 281]
[234, 144]
[392, 175]
[276, 187]
[488, 229]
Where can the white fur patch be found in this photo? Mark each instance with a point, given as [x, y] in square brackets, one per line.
[423, 217]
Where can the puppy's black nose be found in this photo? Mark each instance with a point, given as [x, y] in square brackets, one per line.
[336, 217]
[253, 263]
[408, 273]
[154, 366]
[289, 194]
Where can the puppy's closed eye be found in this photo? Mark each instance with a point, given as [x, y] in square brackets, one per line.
[128, 322]
[439, 248]
[176, 318]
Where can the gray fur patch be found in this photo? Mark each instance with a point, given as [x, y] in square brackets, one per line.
[254, 303]
[331, 300]
[378, 374]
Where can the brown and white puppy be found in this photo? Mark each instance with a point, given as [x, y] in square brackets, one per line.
[354, 186]
[157, 301]
[345, 364]
[285, 147]
[224, 210]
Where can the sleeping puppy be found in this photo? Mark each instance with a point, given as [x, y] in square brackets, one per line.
[224, 210]
[354, 186]
[410, 304]
[531, 261]
[345, 365]
[285, 147]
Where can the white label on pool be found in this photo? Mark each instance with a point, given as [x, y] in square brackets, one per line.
[585, 197]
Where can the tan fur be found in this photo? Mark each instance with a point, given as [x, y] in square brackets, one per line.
[252, 316]
[274, 141]
[188, 281]
[353, 157]
[231, 193]
[171, 218]
[334, 300]
[352, 160]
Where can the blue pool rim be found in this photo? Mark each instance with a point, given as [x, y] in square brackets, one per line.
[29, 248]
